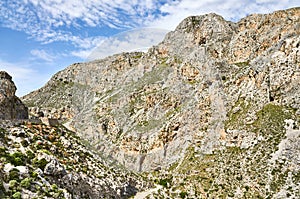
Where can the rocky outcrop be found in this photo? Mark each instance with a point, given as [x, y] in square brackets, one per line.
[11, 107]
[207, 107]
[42, 161]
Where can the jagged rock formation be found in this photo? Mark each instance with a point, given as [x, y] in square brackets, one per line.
[11, 107]
[213, 100]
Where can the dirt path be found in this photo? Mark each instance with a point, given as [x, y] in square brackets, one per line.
[144, 194]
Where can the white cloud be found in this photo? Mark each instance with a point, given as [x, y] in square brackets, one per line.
[21, 73]
[42, 54]
[134, 40]
[25, 78]
[264, 1]
[230, 9]
[83, 54]
[42, 19]
[86, 43]
[55, 20]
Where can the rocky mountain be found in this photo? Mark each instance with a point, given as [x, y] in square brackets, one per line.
[210, 112]
[11, 107]
[39, 158]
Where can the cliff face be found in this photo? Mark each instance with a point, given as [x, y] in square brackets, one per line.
[216, 100]
[11, 106]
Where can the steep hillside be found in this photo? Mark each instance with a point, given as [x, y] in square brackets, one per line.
[39, 158]
[211, 111]
[42, 161]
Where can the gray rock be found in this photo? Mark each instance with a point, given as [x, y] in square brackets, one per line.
[11, 107]
[54, 168]
[206, 78]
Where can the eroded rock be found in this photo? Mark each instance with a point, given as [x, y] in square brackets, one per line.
[11, 107]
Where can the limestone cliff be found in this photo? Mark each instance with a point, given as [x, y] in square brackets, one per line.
[11, 107]
[217, 101]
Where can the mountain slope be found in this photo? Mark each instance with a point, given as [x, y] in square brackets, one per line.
[41, 161]
[217, 101]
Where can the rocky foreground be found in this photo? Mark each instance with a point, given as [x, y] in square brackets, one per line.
[212, 111]
[40, 161]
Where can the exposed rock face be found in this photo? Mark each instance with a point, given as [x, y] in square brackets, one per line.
[11, 107]
[213, 98]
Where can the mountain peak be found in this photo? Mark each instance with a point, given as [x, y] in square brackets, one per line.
[206, 108]
[5, 75]
[208, 21]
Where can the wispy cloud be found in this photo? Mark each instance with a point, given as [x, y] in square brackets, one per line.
[85, 46]
[49, 21]
[232, 10]
[42, 54]
[134, 40]
[86, 42]
[22, 75]
[63, 20]
[83, 54]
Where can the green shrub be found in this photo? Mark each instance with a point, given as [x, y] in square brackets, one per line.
[18, 161]
[14, 174]
[26, 183]
[30, 155]
[164, 182]
[13, 184]
[183, 194]
[242, 64]
[54, 187]
[17, 158]
[2, 151]
[24, 143]
[2, 189]
[17, 195]
[34, 175]
[40, 163]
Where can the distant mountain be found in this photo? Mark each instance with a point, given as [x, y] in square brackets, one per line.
[210, 112]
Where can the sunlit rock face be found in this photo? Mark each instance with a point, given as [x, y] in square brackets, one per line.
[212, 101]
[145, 109]
[11, 107]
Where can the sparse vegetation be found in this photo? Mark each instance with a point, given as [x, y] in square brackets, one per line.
[242, 64]
[27, 170]
[204, 113]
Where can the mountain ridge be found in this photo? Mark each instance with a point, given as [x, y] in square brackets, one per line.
[211, 89]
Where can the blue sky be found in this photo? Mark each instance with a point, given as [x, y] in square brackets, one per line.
[40, 37]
